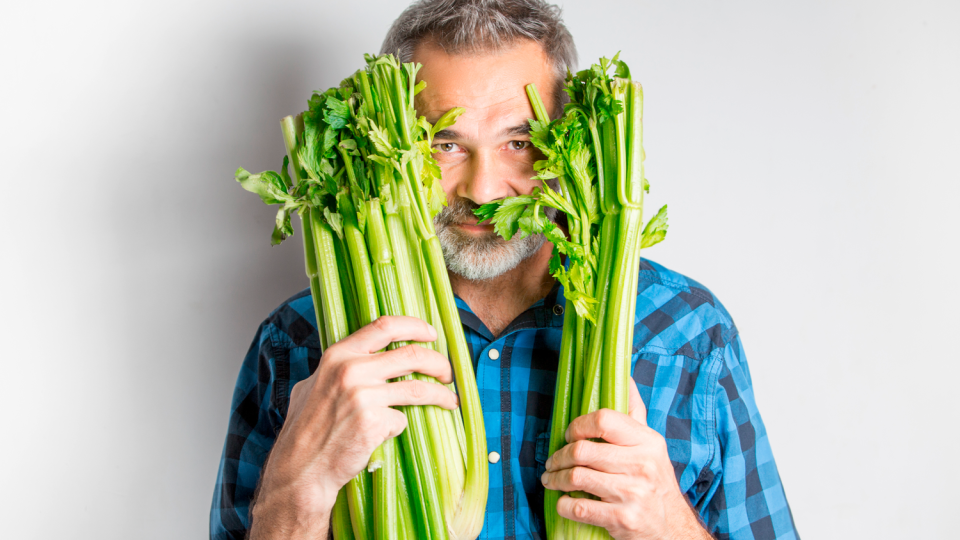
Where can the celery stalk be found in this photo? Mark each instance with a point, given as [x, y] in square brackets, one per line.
[367, 189]
[594, 152]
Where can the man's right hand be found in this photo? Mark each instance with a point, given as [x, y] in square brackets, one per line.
[336, 419]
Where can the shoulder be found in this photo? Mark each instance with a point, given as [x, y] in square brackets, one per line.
[676, 315]
[293, 323]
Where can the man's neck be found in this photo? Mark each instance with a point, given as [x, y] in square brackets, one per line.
[498, 301]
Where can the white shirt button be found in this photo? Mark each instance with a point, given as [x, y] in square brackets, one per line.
[494, 457]
[494, 354]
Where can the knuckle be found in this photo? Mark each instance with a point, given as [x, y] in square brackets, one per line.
[384, 324]
[580, 452]
[417, 390]
[578, 476]
[402, 422]
[633, 491]
[642, 490]
[348, 375]
[581, 509]
[627, 520]
[411, 352]
[662, 448]
[354, 397]
[398, 421]
[367, 420]
[604, 417]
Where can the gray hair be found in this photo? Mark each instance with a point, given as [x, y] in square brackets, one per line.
[477, 26]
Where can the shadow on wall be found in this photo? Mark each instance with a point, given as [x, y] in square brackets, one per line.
[200, 273]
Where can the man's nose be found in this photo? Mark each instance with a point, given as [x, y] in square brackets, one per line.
[486, 179]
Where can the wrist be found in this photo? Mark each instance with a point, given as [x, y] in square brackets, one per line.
[291, 513]
[287, 507]
[685, 522]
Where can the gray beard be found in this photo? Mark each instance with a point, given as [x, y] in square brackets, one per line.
[479, 258]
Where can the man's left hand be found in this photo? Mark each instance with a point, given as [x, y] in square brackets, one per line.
[630, 472]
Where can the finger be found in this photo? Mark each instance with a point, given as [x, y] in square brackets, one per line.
[606, 424]
[396, 422]
[607, 458]
[414, 392]
[386, 330]
[603, 485]
[587, 511]
[410, 359]
[638, 411]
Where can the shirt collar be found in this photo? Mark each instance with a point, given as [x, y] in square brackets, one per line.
[544, 313]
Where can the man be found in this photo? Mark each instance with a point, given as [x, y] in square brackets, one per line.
[690, 460]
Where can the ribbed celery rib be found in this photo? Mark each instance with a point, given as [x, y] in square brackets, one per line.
[366, 188]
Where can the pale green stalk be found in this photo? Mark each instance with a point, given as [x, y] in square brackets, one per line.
[416, 450]
[562, 403]
[399, 114]
[606, 345]
[291, 128]
[355, 504]
[591, 388]
[340, 520]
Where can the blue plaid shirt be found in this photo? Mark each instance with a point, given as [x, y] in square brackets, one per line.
[688, 364]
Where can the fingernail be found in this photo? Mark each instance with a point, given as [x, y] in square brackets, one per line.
[547, 464]
[433, 331]
[544, 478]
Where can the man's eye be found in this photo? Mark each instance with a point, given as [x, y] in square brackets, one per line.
[447, 147]
[519, 145]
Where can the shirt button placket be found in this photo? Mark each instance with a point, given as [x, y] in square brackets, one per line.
[493, 443]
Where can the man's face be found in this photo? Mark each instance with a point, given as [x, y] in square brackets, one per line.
[487, 154]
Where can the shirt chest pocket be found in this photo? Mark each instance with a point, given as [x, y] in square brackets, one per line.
[542, 452]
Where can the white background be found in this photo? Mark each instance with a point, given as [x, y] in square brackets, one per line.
[808, 150]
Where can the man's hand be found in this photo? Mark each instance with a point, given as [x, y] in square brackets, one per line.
[338, 417]
[630, 472]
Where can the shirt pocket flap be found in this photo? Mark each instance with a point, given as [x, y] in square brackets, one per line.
[543, 447]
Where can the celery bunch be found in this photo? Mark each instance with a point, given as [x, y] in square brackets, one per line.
[366, 188]
[594, 153]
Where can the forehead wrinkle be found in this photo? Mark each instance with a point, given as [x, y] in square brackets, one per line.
[436, 105]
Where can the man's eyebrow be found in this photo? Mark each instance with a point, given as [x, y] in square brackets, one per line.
[523, 129]
[447, 134]
[451, 134]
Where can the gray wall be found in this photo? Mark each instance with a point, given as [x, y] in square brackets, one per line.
[808, 151]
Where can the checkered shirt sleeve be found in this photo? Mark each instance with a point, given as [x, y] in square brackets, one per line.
[284, 351]
[692, 374]
[747, 498]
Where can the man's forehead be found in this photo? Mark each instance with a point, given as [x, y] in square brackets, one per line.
[485, 82]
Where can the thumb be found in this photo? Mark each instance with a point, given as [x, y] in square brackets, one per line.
[638, 411]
